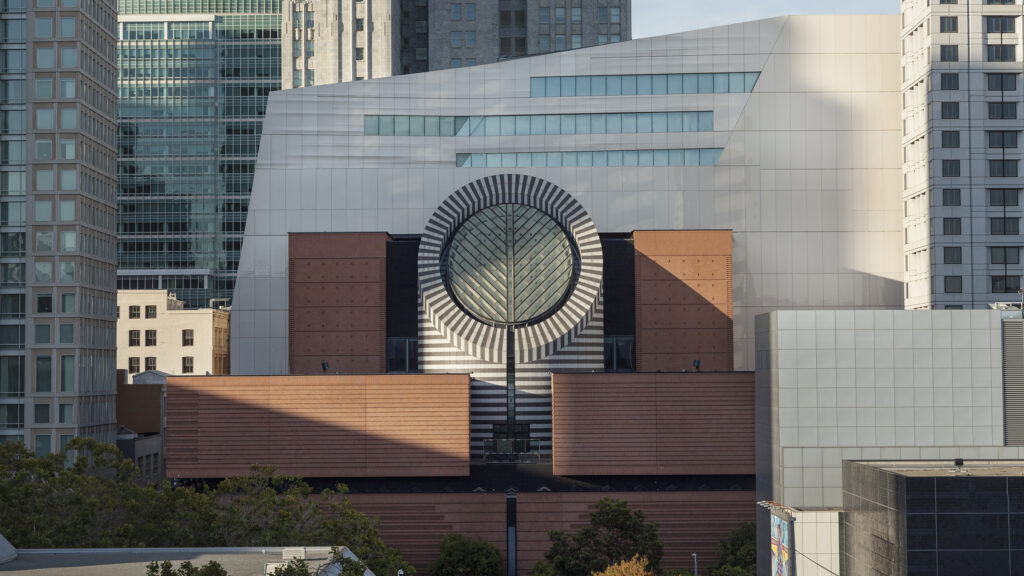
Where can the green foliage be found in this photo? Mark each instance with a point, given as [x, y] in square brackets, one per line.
[295, 567]
[737, 555]
[461, 556]
[98, 502]
[615, 534]
[165, 568]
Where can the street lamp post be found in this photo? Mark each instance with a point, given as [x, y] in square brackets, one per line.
[694, 564]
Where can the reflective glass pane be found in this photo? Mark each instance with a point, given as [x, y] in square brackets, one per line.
[614, 123]
[536, 124]
[600, 158]
[583, 85]
[615, 158]
[494, 160]
[629, 158]
[705, 83]
[447, 125]
[462, 161]
[552, 86]
[387, 125]
[597, 85]
[643, 84]
[523, 159]
[568, 159]
[598, 124]
[583, 123]
[691, 157]
[479, 160]
[644, 123]
[646, 158]
[522, 125]
[691, 84]
[675, 157]
[661, 157]
[416, 126]
[628, 85]
[431, 126]
[736, 82]
[674, 122]
[613, 85]
[675, 83]
[751, 80]
[568, 86]
[628, 123]
[585, 158]
[371, 125]
[659, 84]
[568, 124]
[401, 126]
[508, 160]
[707, 121]
[537, 87]
[492, 126]
[538, 159]
[461, 126]
[554, 159]
[709, 156]
[552, 123]
[508, 125]
[721, 83]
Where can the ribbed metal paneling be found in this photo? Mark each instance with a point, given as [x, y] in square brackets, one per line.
[1013, 381]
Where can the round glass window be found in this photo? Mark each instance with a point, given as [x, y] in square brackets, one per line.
[510, 264]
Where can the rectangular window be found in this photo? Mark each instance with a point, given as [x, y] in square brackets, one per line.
[950, 81]
[133, 311]
[1004, 226]
[67, 373]
[69, 57]
[150, 363]
[44, 28]
[999, 24]
[44, 88]
[952, 255]
[544, 43]
[602, 15]
[949, 53]
[133, 365]
[67, 27]
[43, 445]
[577, 14]
[1003, 168]
[577, 41]
[469, 39]
[469, 11]
[616, 15]
[44, 374]
[953, 284]
[1002, 110]
[1005, 284]
[950, 196]
[186, 365]
[42, 414]
[1002, 139]
[150, 311]
[950, 168]
[1002, 82]
[1004, 254]
[67, 334]
[359, 27]
[559, 42]
[951, 226]
[947, 24]
[559, 15]
[150, 337]
[42, 334]
[187, 337]
[44, 303]
[545, 15]
[950, 110]
[359, 53]
[66, 414]
[1003, 196]
[1000, 53]
[950, 139]
[67, 303]
[133, 337]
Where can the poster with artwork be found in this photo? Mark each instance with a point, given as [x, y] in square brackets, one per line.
[782, 547]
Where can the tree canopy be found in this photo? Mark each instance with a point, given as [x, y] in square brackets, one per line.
[97, 501]
[461, 556]
[615, 534]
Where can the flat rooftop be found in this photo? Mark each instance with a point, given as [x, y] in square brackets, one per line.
[133, 561]
[948, 468]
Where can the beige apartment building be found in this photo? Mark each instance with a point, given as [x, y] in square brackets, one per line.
[156, 332]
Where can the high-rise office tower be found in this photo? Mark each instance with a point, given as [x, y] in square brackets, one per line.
[194, 79]
[328, 41]
[57, 221]
[961, 151]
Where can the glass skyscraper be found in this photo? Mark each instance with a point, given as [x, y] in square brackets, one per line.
[193, 77]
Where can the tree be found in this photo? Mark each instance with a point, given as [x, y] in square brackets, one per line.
[637, 566]
[615, 534]
[461, 556]
[737, 555]
[98, 502]
[165, 568]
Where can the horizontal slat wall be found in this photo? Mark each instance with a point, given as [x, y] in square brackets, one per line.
[416, 523]
[688, 522]
[318, 426]
[653, 424]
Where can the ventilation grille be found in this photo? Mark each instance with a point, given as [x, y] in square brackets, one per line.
[1013, 381]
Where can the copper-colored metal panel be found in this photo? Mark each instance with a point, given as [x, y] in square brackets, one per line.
[318, 426]
[688, 522]
[653, 424]
[416, 523]
[683, 299]
[336, 303]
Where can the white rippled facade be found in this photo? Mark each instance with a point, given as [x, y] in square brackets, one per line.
[808, 177]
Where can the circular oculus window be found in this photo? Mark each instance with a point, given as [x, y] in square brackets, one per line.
[510, 264]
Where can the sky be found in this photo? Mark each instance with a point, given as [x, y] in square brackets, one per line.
[658, 17]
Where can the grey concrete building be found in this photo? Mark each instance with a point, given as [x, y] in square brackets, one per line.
[329, 41]
[57, 221]
[961, 117]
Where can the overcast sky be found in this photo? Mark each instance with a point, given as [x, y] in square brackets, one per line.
[657, 17]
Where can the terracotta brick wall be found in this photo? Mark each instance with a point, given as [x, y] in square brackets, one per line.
[653, 424]
[683, 300]
[336, 302]
[318, 426]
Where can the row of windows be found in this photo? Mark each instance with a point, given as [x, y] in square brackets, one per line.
[996, 138]
[187, 364]
[996, 110]
[1000, 284]
[539, 124]
[993, 24]
[676, 157]
[997, 226]
[642, 84]
[187, 337]
[1001, 82]
[996, 196]
[997, 255]
[996, 168]
[993, 53]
